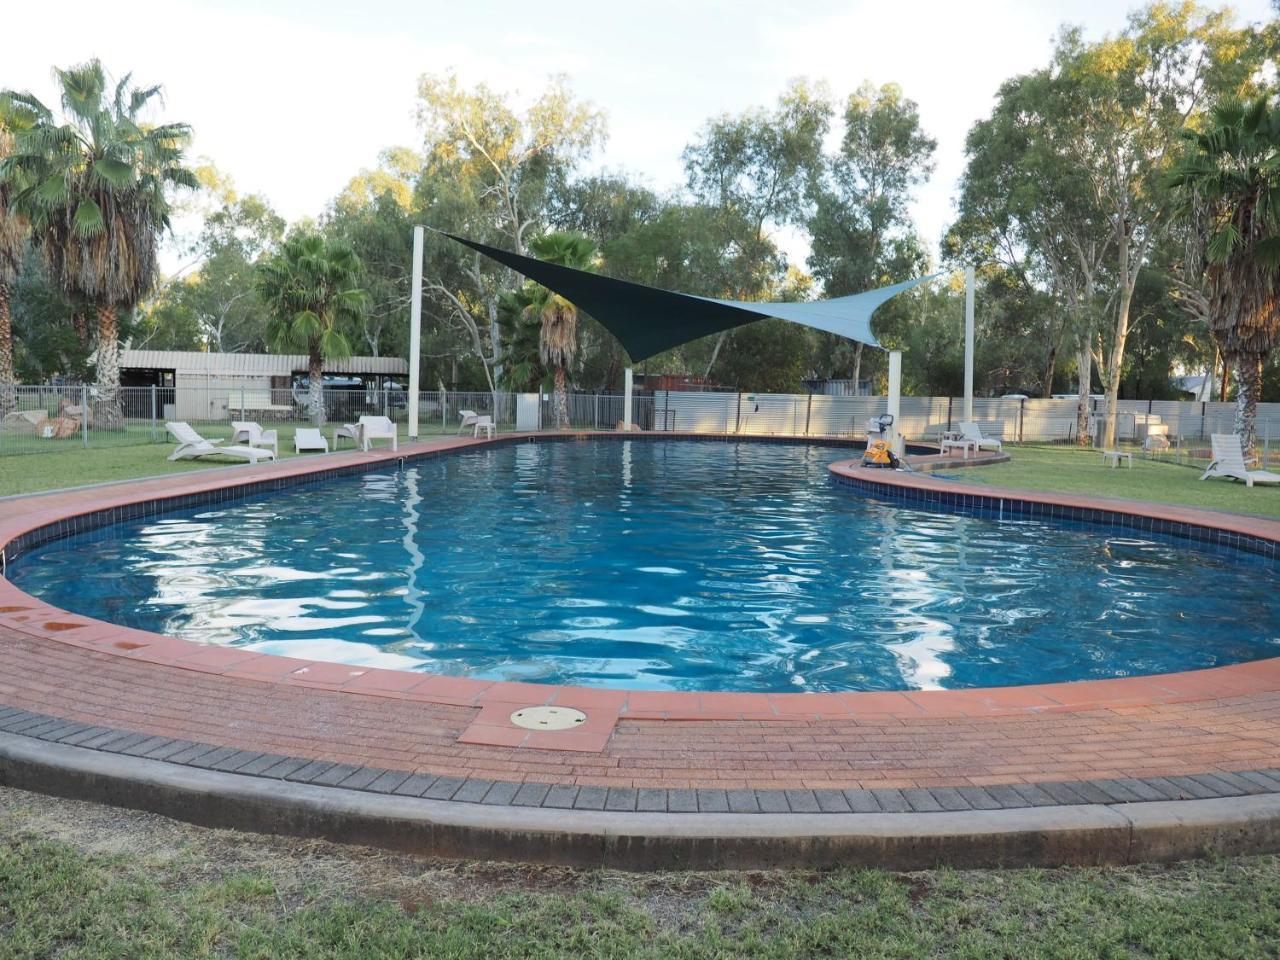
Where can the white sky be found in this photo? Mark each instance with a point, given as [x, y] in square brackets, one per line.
[293, 97]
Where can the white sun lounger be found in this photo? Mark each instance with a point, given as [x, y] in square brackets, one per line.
[973, 433]
[1228, 461]
[309, 438]
[191, 445]
[252, 434]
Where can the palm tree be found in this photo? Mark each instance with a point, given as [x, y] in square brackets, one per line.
[14, 231]
[311, 289]
[1229, 177]
[92, 183]
[558, 339]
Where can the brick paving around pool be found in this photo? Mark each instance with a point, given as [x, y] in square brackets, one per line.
[69, 679]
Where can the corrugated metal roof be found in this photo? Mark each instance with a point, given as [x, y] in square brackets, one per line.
[251, 364]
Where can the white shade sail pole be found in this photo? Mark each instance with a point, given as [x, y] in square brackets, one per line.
[415, 333]
[968, 343]
[895, 399]
[626, 400]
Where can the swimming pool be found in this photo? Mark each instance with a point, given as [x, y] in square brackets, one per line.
[663, 565]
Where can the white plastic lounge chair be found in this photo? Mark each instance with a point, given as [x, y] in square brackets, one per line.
[483, 423]
[309, 438]
[349, 431]
[972, 432]
[469, 418]
[251, 434]
[191, 445]
[1228, 461]
[378, 428]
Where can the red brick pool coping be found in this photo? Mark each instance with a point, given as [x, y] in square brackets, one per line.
[56, 664]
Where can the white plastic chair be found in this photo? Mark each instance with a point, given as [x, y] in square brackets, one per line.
[1228, 461]
[252, 434]
[191, 446]
[468, 419]
[484, 423]
[378, 428]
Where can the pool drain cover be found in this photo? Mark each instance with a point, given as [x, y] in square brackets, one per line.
[548, 718]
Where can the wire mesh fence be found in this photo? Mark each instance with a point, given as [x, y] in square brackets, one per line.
[49, 418]
[60, 417]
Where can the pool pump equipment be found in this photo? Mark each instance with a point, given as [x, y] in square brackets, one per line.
[879, 452]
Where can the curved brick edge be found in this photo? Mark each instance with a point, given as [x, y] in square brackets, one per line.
[1043, 836]
[271, 766]
[1250, 534]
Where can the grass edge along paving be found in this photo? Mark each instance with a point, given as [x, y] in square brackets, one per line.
[86, 881]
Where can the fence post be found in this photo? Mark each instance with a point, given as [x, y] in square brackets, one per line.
[154, 424]
[595, 415]
[808, 415]
[737, 423]
[386, 399]
[1022, 408]
[84, 414]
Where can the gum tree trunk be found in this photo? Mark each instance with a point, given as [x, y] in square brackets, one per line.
[8, 381]
[1084, 369]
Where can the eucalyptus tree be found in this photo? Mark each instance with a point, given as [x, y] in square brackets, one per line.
[489, 173]
[93, 182]
[1128, 96]
[311, 286]
[758, 169]
[1028, 209]
[1229, 182]
[861, 229]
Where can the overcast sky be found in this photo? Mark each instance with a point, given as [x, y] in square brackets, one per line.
[292, 97]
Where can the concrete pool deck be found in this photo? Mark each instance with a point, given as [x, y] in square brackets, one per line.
[1098, 771]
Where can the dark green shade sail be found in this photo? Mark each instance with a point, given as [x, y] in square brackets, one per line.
[648, 321]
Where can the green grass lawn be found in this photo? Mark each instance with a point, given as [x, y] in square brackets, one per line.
[1072, 470]
[127, 456]
[83, 881]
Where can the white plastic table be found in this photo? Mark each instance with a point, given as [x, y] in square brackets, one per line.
[1114, 456]
[965, 446]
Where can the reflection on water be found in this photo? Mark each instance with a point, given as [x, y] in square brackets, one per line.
[672, 565]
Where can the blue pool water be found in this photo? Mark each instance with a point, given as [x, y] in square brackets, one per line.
[664, 565]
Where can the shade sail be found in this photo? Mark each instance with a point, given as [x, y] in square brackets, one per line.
[648, 320]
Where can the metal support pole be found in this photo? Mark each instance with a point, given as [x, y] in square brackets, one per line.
[415, 332]
[154, 424]
[968, 343]
[895, 399]
[626, 398]
[84, 414]
[808, 415]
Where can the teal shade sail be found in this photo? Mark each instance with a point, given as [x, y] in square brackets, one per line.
[648, 320]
